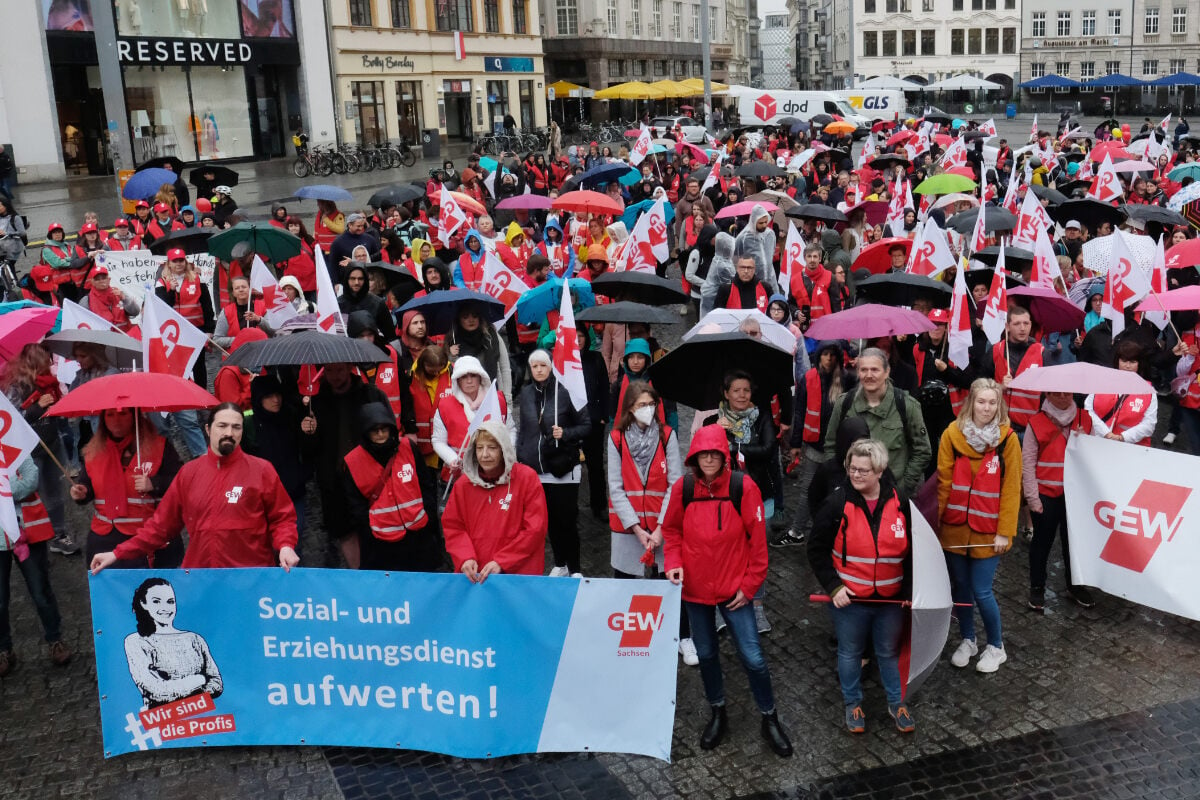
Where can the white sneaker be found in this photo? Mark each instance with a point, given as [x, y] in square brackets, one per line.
[1169, 439]
[687, 649]
[576, 574]
[991, 659]
[559, 572]
[962, 656]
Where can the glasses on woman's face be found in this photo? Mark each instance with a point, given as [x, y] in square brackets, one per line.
[649, 404]
[859, 471]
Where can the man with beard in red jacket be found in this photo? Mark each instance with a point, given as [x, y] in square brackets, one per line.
[233, 505]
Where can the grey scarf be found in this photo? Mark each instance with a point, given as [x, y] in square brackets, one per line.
[981, 439]
[642, 442]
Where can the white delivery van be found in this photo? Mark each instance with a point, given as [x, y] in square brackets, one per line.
[765, 107]
[875, 104]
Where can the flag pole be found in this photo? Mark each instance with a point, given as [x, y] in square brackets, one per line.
[54, 458]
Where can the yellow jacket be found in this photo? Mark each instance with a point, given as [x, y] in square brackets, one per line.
[954, 442]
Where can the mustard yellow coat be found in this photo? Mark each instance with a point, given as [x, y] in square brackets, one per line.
[1010, 490]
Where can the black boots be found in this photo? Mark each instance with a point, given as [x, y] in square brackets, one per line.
[773, 732]
[714, 731]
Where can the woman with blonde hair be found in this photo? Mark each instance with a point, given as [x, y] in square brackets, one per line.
[979, 495]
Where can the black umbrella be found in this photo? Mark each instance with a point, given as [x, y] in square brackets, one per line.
[1090, 213]
[222, 176]
[700, 174]
[122, 351]
[996, 220]
[760, 169]
[974, 277]
[193, 241]
[888, 160]
[1014, 257]
[163, 162]
[396, 195]
[640, 287]
[826, 214]
[936, 115]
[625, 312]
[1148, 213]
[395, 274]
[820, 120]
[1046, 193]
[1074, 155]
[903, 288]
[692, 373]
[440, 309]
[1070, 187]
[970, 136]
[786, 122]
[307, 347]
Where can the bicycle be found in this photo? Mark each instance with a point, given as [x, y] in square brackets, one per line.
[9, 286]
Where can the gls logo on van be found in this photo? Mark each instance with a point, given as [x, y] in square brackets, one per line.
[869, 103]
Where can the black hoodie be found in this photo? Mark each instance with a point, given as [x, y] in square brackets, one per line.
[363, 300]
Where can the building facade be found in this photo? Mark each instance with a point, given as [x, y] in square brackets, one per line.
[778, 51]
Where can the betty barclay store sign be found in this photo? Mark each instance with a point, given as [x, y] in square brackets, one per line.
[385, 63]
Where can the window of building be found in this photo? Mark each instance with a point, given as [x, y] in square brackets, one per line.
[525, 97]
[1009, 43]
[1151, 28]
[676, 20]
[1064, 23]
[989, 5]
[456, 15]
[956, 5]
[1087, 70]
[1177, 65]
[908, 43]
[1112, 67]
[974, 41]
[868, 6]
[977, 5]
[614, 19]
[401, 14]
[713, 20]
[1039, 24]
[1088, 21]
[889, 43]
[1150, 66]
[1062, 68]
[520, 17]
[698, 67]
[660, 68]
[681, 68]
[635, 17]
[491, 15]
[1178, 21]
[408, 109]
[1010, 5]
[957, 48]
[991, 41]
[360, 13]
[1037, 70]
[928, 42]
[892, 6]
[371, 122]
[870, 44]
[656, 20]
[1114, 22]
[927, 6]
[614, 68]
[639, 68]
[497, 100]
[696, 23]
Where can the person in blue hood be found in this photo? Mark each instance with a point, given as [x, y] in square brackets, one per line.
[189, 216]
[468, 271]
[554, 248]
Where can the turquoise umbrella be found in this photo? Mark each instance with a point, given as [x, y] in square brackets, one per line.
[539, 301]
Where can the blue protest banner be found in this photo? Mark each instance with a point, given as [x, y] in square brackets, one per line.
[518, 664]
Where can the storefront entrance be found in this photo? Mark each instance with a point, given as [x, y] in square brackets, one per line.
[81, 119]
[458, 112]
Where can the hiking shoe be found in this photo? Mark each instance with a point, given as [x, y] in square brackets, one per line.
[60, 654]
[559, 572]
[904, 720]
[1037, 599]
[792, 537]
[1082, 596]
[760, 619]
[962, 656]
[991, 659]
[856, 720]
[687, 649]
[63, 545]
[8, 660]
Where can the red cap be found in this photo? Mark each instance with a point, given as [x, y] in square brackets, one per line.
[176, 253]
[121, 223]
[89, 228]
[142, 204]
[99, 270]
[162, 208]
[43, 275]
[54, 226]
[939, 315]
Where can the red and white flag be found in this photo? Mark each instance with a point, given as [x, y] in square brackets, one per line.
[1158, 284]
[568, 365]
[503, 284]
[1010, 195]
[995, 313]
[460, 46]
[278, 308]
[488, 411]
[639, 251]
[931, 255]
[955, 155]
[1124, 284]
[714, 171]
[959, 332]
[791, 260]
[451, 216]
[329, 313]
[988, 128]
[170, 343]
[1107, 186]
[1085, 170]
[17, 442]
[1045, 263]
[657, 229]
[75, 318]
[925, 207]
[1033, 131]
[1031, 219]
[641, 148]
[979, 233]
[895, 215]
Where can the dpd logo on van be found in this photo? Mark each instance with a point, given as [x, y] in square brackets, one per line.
[639, 624]
[1139, 528]
[764, 107]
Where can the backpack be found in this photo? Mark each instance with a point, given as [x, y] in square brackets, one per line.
[735, 492]
[900, 399]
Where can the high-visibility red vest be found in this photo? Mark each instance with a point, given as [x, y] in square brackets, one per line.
[387, 380]
[472, 272]
[132, 243]
[975, 498]
[869, 564]
[188, 300]
[646, 498]
[957, 396]
[138, 507]
[658, 410]
[812, 407]
[1122, 412]
[156, 231]
[396, 505]
[424, 409]
[760, 297]
[323, 235]
[35, 520]
[558, 255]
[454, 417]
[231, 315]
[108, 306]
[1052, 452]
[1021, 405]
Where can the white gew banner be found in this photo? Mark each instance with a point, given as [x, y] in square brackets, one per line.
[1133, 514]
[132, 270]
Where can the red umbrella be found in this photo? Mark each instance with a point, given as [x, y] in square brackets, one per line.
[697, 153]
[876, 256]
[1185, 254]
[588, 202]
[881, 125]
[868, 321]
[469, 203]
[149, 391]
[1050, 310]
[1185, 299]
[1082, 378]
[903, 137]
[24, 326]
[744, 208]
[1110, 149]
[942, 139]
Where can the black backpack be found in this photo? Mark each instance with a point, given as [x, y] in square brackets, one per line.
[900, 397]
[735, 492]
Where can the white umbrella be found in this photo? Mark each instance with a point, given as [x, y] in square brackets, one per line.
[965, 83]
[1097, 253]
[957, 197]
[1133, 166]
[889, 82]
[727, 320]
[931, 606]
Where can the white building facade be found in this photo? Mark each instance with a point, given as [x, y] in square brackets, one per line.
[778, 52]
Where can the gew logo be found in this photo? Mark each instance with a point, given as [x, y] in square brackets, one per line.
[1139, 528]
[639, 624]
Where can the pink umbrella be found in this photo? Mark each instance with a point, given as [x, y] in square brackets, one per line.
[1185, 299]
[1050, 310]
[526, 201]
[24, 326]
[744, 208]
[698, 154]
[1081, 378]
[867, 322]
[1133, 166]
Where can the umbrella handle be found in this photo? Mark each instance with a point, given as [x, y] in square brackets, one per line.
[824, 598]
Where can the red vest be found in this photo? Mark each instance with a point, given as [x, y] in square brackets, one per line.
[957, 396]
[646, 498]
[323, 235]
[658, 412]
[472, 273]
[187, 300]
[35, 520]
[812, 407]
[454, 417]
[1192, 398]
[424, 410]
[557, 254]
[1120, 413]
[396, 505]
[138, 507]
[760, 297]
[1021, 405]
[231, 315]
[1052, 452]
[108, 306]
[818, 296]
[975, 499]
[132, 243]
[868, 564]
[156, 231]
[387, 380]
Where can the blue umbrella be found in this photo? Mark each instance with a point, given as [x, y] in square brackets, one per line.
[539, 301]
[631, 178]
[603, 173]
[322, 191]
[145, 184]
[440, 309]
[634, 211]
[1188, 170]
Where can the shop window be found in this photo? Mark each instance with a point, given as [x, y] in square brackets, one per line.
[185, 19]
[497, 98]
[491, 15]
[520, 17]
[408, 109]
[360, 13]
[401, 14]
[371, 123]
[199, 114]
[525, 91]
[455, 15]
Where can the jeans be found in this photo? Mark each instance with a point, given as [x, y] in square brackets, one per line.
[36, 572]
[744, 631]
[856, 625]
[50, 482]
[971, 582]
[189, 430]
[1051, 521]
[593, 455]
[809, 461]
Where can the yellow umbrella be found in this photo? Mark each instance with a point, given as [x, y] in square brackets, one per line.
[696, 86]
[633, 90]
[562, 88]
[672, 89]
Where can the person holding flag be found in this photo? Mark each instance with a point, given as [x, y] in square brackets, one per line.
[180, 288]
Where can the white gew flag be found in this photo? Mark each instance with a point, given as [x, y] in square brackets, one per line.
[714, 172]
[791, 262]
[995, 314]
[1030, 220]
[170, 343]
[932, 255]
[568, 365]
[960, 319]
[1158, 283]
[488, 410]
[656, 229]
[503, 284]
[75, 317]
[1124, 284]
[17, 442]
[329, 314]
[639, 247]
[1106, 186]
[11, 529]
[279, 309]
[451, 216]
[641, 148]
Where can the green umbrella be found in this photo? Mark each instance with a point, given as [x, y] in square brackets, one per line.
[273, 244]
[945, 183]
